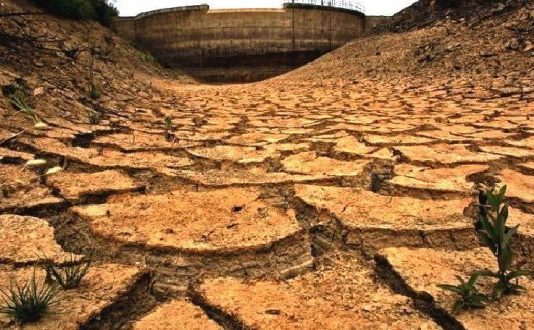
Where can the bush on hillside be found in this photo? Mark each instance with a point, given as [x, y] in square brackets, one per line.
[99, 10]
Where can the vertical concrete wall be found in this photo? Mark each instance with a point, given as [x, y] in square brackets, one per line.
[196, 37]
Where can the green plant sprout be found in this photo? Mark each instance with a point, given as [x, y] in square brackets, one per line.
[469, 296]
[497, 236]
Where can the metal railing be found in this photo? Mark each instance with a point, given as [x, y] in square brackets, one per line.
[344, 4]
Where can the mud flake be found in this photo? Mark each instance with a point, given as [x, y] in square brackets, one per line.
[199, 220]
[439, 179]
[445, 154]
[76, 186]
[389, 220]
[311, 164]
[520, 186]
[396, 140]
[238, 154]
[176, 314]
[508, 151]
[256, 139]
[343, 297]
[27, 240]
[351, 145]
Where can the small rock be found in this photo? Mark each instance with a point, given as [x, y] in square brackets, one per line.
[272, 311]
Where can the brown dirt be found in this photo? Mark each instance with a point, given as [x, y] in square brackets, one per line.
[262, 205]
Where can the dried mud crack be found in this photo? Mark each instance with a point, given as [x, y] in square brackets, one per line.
[333, 197]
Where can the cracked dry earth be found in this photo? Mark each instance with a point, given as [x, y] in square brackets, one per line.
[265, 207]
[294, 203]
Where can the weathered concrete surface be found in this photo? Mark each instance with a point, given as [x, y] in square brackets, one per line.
[274, 39]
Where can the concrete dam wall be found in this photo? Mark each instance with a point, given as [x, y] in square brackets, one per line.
[241, 44]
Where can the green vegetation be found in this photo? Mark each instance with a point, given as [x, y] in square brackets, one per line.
[70, 275]
[469, 296]
[497, 236]
[168, 122]
[19, 96]
[30, 302]
[494, 234]
[94, 117]
[99, 10]
[94, 91]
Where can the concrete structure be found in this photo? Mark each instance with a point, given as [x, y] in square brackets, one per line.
[256, 43]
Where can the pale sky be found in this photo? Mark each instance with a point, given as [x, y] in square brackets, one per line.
[134, 7]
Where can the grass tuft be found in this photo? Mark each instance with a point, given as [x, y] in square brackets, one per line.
[70, 275]
[30, 302]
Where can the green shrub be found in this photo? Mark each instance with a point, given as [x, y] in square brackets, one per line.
[99, 10]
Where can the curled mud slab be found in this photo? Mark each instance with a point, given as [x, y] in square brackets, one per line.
[26, 240]
[445, 154]
[520, 186]
[230, 220]
[238, 154]
[373, 220]
[341, 296]
[109, 158]
[440, 179]
[352, 145]
[177, 315]
[103, 286]
[21, 192]
[8, 155]
[309, 163]
[78, 187]
[138, 141]
[254, 176]
[420, 270]
[234, 232]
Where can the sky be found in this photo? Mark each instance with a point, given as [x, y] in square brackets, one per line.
[134, 7]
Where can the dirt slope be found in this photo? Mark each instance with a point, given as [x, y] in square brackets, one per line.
[494, 53]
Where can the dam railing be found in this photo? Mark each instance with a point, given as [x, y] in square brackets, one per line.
[343, 4]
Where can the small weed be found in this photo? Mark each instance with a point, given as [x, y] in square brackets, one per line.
[20, 102]
[469, 296]
[94, 117]
[30, 302]
[95, 92]
[168, 123]
[70, 275]
[497, 236]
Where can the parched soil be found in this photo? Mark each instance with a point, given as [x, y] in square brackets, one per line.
[336, 196]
